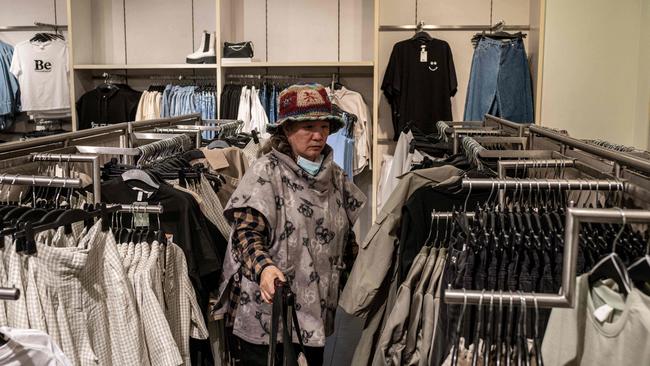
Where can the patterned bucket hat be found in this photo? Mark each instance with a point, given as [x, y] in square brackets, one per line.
[305, 102]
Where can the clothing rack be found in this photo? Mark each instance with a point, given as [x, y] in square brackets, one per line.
[36, 27]
[566, 297]
[546, 163]
[563, 184]
[421, 26]
[21, 149]
[40, 181]
[620, 159]
[140, 208]
[74, 158]
[181, 77]
[180, 129]
[333, 76]
[9, 293]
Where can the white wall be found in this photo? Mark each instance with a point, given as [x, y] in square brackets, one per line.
[595, 75]
[26, 12]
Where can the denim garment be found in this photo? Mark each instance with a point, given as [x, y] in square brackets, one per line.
[9, 92]
[349, 158]
[165, 100]
[273, 110]
[499, 82]
[264, 100]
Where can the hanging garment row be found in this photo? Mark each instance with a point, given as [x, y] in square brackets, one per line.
[61, 257]
[515, 249]
[176, 100]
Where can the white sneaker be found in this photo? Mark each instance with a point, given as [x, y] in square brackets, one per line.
[205, 53]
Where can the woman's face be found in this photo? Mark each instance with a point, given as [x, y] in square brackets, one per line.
[308, 138]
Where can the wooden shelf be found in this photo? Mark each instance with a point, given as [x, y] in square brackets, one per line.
[301, 64]
[144, 66]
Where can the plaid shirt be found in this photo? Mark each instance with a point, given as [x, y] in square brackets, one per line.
[250, 247]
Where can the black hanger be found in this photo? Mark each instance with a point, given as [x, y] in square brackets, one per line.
[612, 267]
[420, 34]
[639, 271]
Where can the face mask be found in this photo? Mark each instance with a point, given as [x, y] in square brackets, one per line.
[311, 167]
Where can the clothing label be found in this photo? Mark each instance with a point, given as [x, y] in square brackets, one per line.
[141, 219]
[423, 55]
[58, 171]
[603, 313]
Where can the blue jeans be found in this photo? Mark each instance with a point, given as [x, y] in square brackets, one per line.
[499, 82]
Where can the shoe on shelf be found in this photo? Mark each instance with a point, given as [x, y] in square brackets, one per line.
[205, 53]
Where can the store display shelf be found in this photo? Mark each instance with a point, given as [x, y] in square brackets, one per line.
[300, 64]
[143, 66]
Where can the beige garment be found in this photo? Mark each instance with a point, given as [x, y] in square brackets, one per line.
[376, 251]
[417, 300]
[575, 336]
[352, 102]
[390, 344]
[375, 259]
[161, 347]
[181, 307]
[231, 163]
[431, 308]
[417, 344]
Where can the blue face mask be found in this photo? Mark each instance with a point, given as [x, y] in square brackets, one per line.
[311, 167]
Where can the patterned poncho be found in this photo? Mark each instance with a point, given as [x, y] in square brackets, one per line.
[308, 218]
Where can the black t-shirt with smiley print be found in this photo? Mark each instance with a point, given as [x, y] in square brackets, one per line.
[419, 81]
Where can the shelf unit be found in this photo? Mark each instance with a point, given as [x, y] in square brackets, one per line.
[143, 66]
[310, 37]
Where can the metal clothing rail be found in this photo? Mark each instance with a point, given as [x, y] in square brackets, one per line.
[9, 293]
[16, 149]
[571, 184]
[566, 296]
[36, 27]
[619, 158]
[74, 158]
[432, 27]
[136, 208]
[502, 165]
[40, 181]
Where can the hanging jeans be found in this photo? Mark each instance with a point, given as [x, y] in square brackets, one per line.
[499, 82]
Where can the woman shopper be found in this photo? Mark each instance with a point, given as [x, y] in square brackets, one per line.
[292, 215]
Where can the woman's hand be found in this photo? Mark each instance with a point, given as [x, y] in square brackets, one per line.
[267, 282]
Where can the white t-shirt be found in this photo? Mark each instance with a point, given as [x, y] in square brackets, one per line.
[42, 72]
[30, 347]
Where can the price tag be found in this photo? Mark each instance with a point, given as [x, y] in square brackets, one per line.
[423, 54]
[603, 313]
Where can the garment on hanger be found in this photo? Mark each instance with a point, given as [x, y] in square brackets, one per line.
[9, 90]
[500, 81]
[42, 72]
[603, 328]
[419, 81]
[343, 143]
[352, 102]
[107, 104]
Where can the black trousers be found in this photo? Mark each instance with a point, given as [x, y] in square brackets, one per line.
[256, 355]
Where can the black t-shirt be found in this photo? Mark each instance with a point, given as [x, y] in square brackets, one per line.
[107, 105]
[418, 91]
